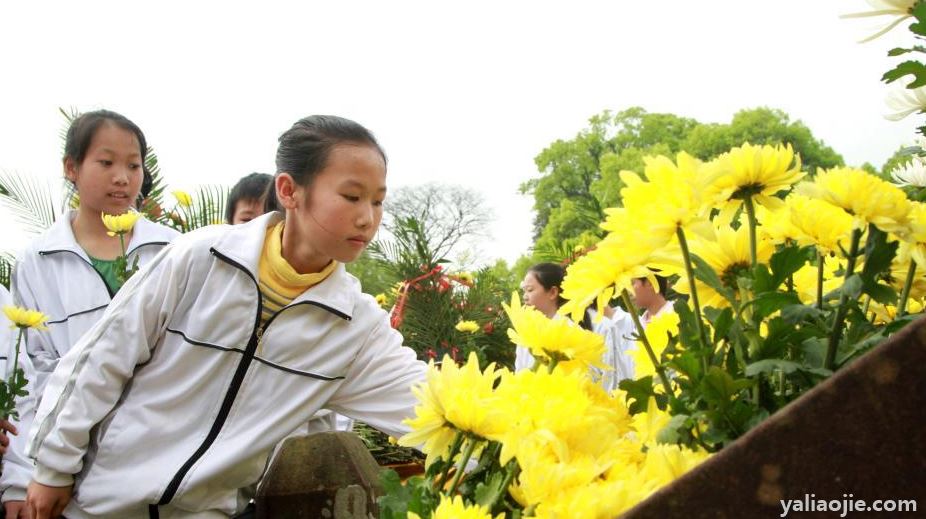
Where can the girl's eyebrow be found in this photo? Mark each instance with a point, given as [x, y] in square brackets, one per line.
[351, 182]
[133, 154]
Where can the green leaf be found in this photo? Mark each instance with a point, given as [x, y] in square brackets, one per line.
[721, 321]
[914, 68]
[706, 274]
[393, 504]
[884, 294]
[488, 492]
[852, 287]
[770, 302]
[793, 314]
[771, 366]
[719, 388]
[640, 391]
[686, 363]
[763, 281]
[879, 253]
[919, 12]
[670, 433]
[787, 261]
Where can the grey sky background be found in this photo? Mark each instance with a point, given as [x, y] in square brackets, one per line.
[465, 93]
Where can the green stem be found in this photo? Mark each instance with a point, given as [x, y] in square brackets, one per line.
[842, 309]
[905, 293]
[751, 214]
[454, 448]
[13, 381]
[686, 254]
[467, 454]
[646, 345]
[510, 471]
[122, 244]
[821, 262]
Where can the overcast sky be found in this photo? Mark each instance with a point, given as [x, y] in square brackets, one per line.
[465, 92]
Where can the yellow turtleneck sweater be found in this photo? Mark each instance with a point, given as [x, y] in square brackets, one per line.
[279, 281]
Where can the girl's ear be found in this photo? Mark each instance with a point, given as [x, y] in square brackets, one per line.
[70, 169]
[554, 293]
[286, 188]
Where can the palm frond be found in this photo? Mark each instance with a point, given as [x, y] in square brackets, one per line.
[208, 206]
[153, 205]
[29, 200]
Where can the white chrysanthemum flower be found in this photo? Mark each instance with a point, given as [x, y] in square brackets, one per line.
[905, 101]
[911, 174]
[899, 8]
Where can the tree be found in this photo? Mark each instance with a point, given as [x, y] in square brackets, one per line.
[761, 126]
[448, 215]
[580, 178]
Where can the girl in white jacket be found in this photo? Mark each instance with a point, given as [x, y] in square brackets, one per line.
[68, 272]
[229, 340]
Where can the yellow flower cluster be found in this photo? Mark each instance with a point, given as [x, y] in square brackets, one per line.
[579, 451]
[382, 300]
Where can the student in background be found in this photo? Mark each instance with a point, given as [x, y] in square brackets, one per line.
[69, 272]
[246, 199]
[651, 299]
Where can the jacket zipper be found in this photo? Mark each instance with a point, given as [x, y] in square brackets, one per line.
[230, 395]
[253, 344]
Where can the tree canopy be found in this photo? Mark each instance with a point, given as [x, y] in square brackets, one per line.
[579, 178]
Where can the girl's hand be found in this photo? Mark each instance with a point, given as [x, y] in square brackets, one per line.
[5, 427]
[15, 510]
[45, 502]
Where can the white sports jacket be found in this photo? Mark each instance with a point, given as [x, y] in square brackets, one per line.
[170, 405]
[54, 275]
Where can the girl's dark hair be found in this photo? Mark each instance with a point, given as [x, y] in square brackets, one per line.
[84, 127]
[250, 187]
[304, 149]
[551, 275]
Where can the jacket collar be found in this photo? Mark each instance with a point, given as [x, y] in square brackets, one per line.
[60, 236]
[243, 245]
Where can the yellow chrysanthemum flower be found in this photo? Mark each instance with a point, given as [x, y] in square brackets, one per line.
[820, 223]
[864, 196]
[455, 508]
[553, 339]
[728, 255]
[121, 224]
[467, 326]
[453, 399]
[756, 172]
[913, 243]
[672, 197]
[464, 277]
[626, 253]
[24, 318]
[657, 332]
[381, 299]
[775, 225]
[183, 198]
[666, 463]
